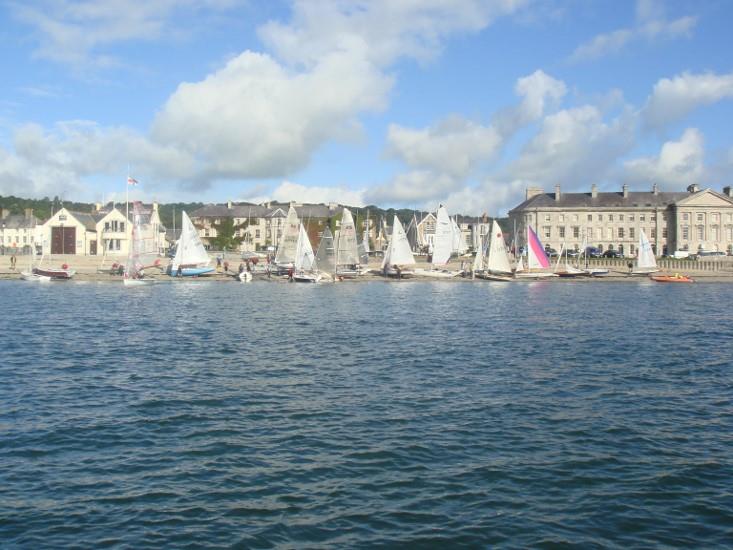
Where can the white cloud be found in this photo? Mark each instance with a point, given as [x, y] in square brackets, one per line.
[651, 24]
[413, 188]
[574, 147]
[289, 191]
[672, 99]
[76, 32]
[679, 164]
[455, 146]
[539, 92]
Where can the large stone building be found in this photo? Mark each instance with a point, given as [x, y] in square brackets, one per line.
[694, 220]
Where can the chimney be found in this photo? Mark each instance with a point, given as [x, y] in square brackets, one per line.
[557, 192]
[594, 191]
[4, 213]
[655, 189]
[533, 192]
[694, 188]
[625, 190]
[727, 191]
[97, 206]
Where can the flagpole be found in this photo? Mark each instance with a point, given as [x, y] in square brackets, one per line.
[127, 196]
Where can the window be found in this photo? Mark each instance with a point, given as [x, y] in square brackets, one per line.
[600, 217]
[106, 226]
[620, 217]
[62, 217]
[610, 217]
[122, 226]
[609, 232]
[716, 217]
[620, 232]
[714, 233]
[547, 217]
[590, 233]
[730, 217]
[729, 232]
[206, 232]
[664, 232]
[561, 218]
[561, 231]
[632, 250]
[700, 232]
[653, 233]
[590, 217]
[576, 232]
[685, 232]
[631, 217]
[685, 216]
[632, 233]
[575, 217]
[653, 217]
[257, 233]
[700, 216]
[546, 231]
[664, 217]
[642, 218]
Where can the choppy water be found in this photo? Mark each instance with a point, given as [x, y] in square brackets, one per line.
[360, 415]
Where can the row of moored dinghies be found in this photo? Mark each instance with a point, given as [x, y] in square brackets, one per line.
[493, 262]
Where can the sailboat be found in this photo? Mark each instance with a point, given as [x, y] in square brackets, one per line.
[646, 263]
[305, 260]
[347, 255]
[62, 273]
[444, 243]
[592, 271]
[285, 255]
[536, 259]
[326, 253]
[497, 261]
[398, 253]
[29, 274]
[191, 259]
[139, 253]
[568, 270]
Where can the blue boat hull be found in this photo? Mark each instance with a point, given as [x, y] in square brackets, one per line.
[190, 271]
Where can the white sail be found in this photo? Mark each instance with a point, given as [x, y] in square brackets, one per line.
[478, 260]
[286, 248]
[346, 250]
[520, 266]
[443, 243]
[143, 250]
[304, 258]
[646, 259]
[398, 251]
[326, 254]
[498, 260]
[190, 251]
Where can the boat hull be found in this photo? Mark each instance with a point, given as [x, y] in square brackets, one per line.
[190, 271]
[494, 277]
[34, 277]
[59, 274]
[307, 277]
[672, 279]
[529, 276]
[437, 273]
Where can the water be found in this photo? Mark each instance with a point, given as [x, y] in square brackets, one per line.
[358, 415]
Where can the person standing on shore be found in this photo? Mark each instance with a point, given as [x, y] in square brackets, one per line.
[13, 261]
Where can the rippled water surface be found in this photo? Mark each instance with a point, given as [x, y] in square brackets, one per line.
[371, 414]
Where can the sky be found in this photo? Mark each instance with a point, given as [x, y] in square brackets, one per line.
[405, 103]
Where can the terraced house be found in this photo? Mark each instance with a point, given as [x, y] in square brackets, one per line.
[695, 220]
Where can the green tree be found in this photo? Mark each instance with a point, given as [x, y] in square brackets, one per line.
[226, 234]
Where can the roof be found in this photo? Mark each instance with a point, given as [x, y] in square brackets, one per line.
[635, 199]
[86, 219]
[273, 209]
[19, 221]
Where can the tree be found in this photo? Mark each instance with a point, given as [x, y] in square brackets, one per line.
[226, 234]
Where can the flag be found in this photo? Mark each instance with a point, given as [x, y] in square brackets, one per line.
[131, 181]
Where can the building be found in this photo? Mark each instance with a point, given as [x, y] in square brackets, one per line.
[107, 231]
[18, 232]
[694, 220]
[260, 225]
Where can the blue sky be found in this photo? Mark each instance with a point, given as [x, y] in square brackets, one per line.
[393, 102]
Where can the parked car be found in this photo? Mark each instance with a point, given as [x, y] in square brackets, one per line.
[709, 254]
[593, 252]
[573, 253]
[680, 254]
[551, 252]
[612, 254]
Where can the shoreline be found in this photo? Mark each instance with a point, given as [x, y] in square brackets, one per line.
[87, 270]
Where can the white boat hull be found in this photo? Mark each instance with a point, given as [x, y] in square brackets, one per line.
[494, 277]
[307, 277]
[137, 282]
[245, 277]
[437, 273]
[33, 277]
[533, 276]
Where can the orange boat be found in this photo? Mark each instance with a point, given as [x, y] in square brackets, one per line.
[676, 278]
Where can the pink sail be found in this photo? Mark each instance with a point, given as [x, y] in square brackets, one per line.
[536, 257]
